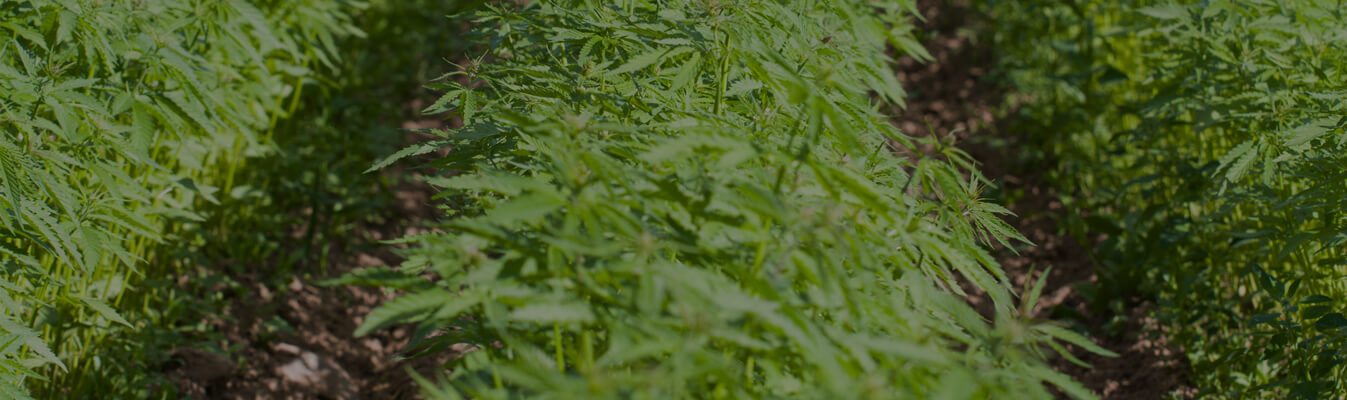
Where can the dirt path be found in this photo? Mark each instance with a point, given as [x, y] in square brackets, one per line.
[955, 93]
[276, 331]
[295, 341]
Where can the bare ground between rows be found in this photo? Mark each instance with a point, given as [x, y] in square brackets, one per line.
[955, 95]
[319, 357]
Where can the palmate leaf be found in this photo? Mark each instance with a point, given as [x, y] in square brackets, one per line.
[1238, 161]
[115, 106]
[1302, 135]
[261, 29]
[679, 236]
[43, 219]
[10, 391]
[12, 255]
[31, 339]
[987, 217]
[1246, 88]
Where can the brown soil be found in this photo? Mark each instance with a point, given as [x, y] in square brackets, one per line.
[319, 357]
[954, 95]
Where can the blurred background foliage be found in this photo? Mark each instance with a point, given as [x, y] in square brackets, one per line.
[1202, 143]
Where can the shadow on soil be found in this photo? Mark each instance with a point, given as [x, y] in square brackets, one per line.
[309, 213]
[958, 94]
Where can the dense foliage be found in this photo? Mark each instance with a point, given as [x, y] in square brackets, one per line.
[676, 198]
[701, 199]
[120, 118]
[1204, 139]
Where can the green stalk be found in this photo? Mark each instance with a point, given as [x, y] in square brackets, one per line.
[724, 74]
[587, 350]
[556, 342]
[748, 371]
[761, 253]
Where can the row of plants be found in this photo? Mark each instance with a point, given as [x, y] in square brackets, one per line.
[668, 199]
[123, 122]
[288, 213]
[1203, 142]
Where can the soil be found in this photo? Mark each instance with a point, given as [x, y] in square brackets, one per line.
[319, 357]
[955, 95]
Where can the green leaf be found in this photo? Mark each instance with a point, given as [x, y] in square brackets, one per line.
[1263, 318]
[9, 391]
[1315, 311]
[1165, 12]
[686, 72]
[411, 307]
[644, 60]
[526, 208]
[380, 277]
[544, 313]
[1073, 338]
[31, 339]
[1237, 162]
[1330, 322]
[104, 310]
[1031, 299]
[409, 151]
[1303, 134]
[1064, 382]
[742, 86]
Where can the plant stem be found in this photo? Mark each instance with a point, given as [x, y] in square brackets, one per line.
[556, 342]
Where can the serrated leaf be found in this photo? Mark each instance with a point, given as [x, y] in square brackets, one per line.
[9, 391]
[103, 309]
[1074, 338]
[1063, 382]
[409, 151]
[1303, 134]
[409, 308]
[31, 339]
[644, 60]
[686, 72]
[1237, 162]
[743, 86]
